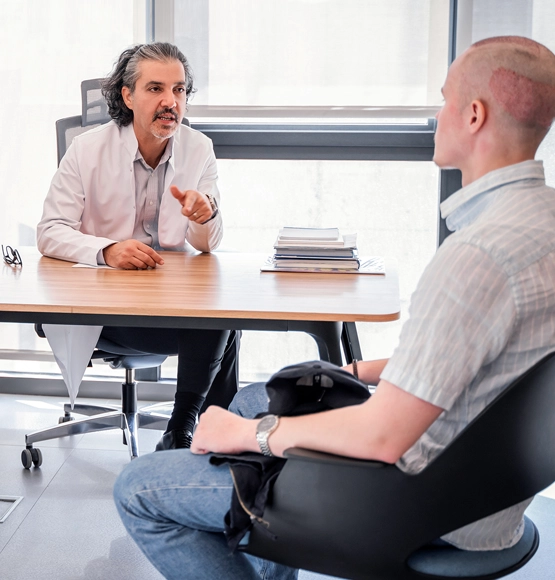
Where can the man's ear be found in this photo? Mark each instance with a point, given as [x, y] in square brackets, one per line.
[477, 116]
[126, 94]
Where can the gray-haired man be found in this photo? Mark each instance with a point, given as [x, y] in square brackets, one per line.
[144, 182]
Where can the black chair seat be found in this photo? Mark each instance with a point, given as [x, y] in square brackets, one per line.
[446, 561]
[121, 357]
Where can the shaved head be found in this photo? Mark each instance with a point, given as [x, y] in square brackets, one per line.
[515, 78]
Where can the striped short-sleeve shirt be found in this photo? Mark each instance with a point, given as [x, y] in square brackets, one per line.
[482, 314]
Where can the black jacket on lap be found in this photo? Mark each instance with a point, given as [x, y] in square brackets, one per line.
[299, 389]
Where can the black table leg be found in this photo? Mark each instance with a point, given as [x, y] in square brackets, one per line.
[349, 340]
[329, 337]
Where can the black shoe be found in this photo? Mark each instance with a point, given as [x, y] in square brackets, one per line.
[176, 439]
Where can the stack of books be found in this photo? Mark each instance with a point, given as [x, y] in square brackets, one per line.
[317, 250]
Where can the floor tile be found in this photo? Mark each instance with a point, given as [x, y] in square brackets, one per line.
[31, 484]
[64, 537]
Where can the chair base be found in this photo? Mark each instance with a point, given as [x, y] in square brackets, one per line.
[103, 418]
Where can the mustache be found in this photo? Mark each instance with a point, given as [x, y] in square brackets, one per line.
[164, 112]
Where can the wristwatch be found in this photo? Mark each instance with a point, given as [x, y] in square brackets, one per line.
[214, 207]
[266, 426]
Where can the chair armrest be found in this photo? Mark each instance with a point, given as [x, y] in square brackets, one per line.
[320, 457]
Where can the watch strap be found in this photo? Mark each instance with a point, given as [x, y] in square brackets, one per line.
[263, 436]
[213, 205]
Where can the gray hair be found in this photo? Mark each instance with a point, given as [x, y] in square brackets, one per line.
[126, 73]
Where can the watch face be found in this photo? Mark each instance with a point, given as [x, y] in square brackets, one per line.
[212, 201]
[266, 423]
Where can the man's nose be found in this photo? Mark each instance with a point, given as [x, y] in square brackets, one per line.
[168, 99]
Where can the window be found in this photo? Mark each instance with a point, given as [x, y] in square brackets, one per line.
[318, 57]
[50, 46]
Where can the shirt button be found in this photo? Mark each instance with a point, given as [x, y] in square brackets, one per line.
[151, 203]
[147, 227]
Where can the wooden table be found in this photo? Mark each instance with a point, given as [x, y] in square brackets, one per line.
[191, 290]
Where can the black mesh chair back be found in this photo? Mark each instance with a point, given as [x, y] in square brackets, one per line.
[66, 130]
[94, 110]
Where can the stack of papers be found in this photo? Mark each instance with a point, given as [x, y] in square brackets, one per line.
[318, 250]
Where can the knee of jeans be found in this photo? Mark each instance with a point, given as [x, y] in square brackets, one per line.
[250, 400]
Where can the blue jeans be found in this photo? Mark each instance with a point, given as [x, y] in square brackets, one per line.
[173, 505]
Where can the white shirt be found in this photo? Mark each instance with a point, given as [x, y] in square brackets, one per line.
[482, 314]
[149, 187]
[91, 200]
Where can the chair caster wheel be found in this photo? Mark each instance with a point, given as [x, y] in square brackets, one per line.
[31, 456]
[66, 419]
[26, 458]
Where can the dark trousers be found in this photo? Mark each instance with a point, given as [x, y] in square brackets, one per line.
[208, 360]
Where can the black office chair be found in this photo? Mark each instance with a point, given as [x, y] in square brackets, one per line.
[369, 520]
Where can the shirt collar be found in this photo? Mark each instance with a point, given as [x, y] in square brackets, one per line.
[465, 205]
[166, 156]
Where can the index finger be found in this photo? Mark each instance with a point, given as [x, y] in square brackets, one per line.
[150, 252]
[189, 198]
[179, 195]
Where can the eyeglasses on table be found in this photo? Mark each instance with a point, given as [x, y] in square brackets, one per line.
[11, 256]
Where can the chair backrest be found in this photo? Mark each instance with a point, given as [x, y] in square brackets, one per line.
[66, 130]
[94, 109]
[361, 519]
[94, 112]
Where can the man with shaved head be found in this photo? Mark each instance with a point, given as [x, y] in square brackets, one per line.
[482, 314]
[506, 85]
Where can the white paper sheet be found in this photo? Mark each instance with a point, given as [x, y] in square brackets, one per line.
[72, 347]
[99, 267]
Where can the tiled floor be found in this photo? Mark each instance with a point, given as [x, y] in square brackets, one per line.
[67, 528]
[53, 534]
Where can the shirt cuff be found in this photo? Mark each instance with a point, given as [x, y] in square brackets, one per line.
[100, 257]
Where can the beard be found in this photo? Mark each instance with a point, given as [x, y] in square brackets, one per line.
[163, 132]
